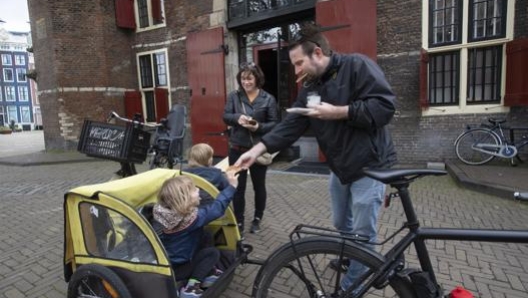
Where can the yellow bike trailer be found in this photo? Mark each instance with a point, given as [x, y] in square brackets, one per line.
[111, 243]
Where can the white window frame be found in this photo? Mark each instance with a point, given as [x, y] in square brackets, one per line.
[151, 24]
[23, 93]
[463, 107]
[20, 60]
[20, 71]
[8, 113]
[151, 89]
[28, 111]
[12, 75]
[10, 93]
[7, 59]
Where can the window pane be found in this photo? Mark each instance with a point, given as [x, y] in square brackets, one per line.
[143, 13]
[6, 59]
[21, 74]
[145, 67]
[23, 93]
[10, 93]
[488, 19]
[484, 74]
[151, 106]
[443, 78]
[12, 114]
[8, 74]
[109, 234]
[444, 21]
[24, 114]
[161, 69]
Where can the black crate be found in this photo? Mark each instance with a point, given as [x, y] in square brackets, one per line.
[114, 142]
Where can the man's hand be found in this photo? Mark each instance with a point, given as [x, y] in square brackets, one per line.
[247, 159]
[326, 111]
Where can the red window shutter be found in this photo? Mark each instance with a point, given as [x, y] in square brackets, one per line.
[156, 11]
[424, 60]
[162, 103]
[516, 73]
[124, 11]
[133, 103]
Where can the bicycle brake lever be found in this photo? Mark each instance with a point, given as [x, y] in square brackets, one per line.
[112, 116]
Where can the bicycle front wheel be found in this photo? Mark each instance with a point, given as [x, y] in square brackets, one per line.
[465, 146]
[303, 270]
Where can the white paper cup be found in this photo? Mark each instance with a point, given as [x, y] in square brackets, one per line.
[313, 99]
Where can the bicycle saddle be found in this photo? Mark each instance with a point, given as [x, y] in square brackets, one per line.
[389, 176]
[496, 121]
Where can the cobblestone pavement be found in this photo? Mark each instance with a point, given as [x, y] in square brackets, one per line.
[31, 229]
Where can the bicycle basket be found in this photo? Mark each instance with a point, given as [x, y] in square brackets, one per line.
[114, 142]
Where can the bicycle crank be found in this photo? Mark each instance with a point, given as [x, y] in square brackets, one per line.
[504, 151]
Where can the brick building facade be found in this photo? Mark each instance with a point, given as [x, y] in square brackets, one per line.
[87, 61]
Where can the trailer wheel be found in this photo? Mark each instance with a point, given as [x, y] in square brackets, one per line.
[93, 280]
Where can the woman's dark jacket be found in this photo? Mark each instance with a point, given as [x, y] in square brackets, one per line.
[263, 109]
[363, 139]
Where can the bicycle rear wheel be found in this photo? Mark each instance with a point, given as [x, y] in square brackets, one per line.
[464, 146]
[302, 270]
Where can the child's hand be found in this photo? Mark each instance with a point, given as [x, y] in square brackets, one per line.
[232, 178]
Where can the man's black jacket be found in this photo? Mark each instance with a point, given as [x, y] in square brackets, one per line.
[360, 141]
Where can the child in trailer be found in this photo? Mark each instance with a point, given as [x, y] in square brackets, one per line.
[201, 164]
[183, 220]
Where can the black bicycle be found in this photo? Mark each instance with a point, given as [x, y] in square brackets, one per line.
[302, 267]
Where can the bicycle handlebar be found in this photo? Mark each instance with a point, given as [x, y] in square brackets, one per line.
[135, 122]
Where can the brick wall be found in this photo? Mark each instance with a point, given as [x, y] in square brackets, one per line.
[423, 139]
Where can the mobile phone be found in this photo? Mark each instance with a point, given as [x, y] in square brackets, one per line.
[252, 122]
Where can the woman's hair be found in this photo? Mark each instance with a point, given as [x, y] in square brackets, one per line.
[309, 37]
[176, 194]
[251, 68]
[200, 155]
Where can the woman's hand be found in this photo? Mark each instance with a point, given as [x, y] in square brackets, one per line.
[251, 124]
[244, 120]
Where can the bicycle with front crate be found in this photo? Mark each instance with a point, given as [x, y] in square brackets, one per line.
[302, 267]
[477, 146]
[131, 144]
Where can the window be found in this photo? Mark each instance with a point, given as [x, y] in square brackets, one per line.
[465, 49]
[21, 75]
[486, 19]
[445, 22]
[114, 235]
[20, 60]
[443, 74]
[10, 93]
[23, 94]
[150, 13]
[8, 75]
[25, 116]
[484, 67]
[12, 114]
[6, 59]
[152, 75]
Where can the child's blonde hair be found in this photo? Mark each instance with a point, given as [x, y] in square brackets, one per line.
[176, 194]
[201, 155]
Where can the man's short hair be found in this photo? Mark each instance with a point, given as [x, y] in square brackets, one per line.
[309, 37]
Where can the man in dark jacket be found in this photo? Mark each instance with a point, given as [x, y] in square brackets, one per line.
[349, 122]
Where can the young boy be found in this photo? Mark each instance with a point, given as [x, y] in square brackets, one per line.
[201, 164]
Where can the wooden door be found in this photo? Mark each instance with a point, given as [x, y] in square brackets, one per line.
[206, 71]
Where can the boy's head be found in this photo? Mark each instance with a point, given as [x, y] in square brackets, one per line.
[179, 194]
[201, 155]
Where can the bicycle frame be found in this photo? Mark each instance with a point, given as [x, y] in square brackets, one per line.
[418, 235]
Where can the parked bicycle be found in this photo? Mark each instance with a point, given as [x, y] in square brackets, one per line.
[477, 146]
[301, 268]
[131, 144]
